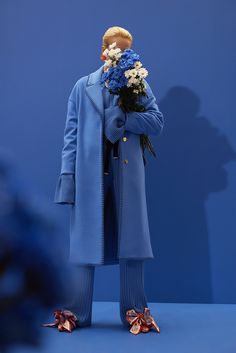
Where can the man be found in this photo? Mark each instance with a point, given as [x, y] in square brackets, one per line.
[109, 222]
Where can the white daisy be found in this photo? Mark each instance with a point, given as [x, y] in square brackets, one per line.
[133, 80]
[143, 72]
[112, 45]
[133, 72]
[138, 64]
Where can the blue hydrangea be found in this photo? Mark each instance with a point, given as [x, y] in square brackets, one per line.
[115, 75]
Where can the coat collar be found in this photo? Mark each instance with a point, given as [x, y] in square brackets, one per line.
[94, 89]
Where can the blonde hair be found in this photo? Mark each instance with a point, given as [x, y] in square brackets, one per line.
[115, 31]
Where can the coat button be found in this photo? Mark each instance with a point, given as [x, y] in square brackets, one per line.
[124, 138]
[125, 161]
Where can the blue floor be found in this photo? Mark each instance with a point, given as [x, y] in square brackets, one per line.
[185, 328]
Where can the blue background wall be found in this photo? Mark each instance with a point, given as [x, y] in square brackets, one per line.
[188, 48]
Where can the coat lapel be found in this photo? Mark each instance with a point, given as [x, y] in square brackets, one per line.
[94, 90]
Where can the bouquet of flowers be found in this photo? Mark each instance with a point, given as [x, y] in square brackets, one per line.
[124, 76]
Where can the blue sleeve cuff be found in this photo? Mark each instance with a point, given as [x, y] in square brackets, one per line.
[65, 189]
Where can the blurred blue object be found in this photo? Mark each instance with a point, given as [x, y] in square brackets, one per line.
[31, 279]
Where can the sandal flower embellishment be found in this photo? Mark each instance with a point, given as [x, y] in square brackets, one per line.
[141, 322]
[65, 320]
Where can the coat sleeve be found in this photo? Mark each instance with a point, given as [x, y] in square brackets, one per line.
[149, 122]
[65, 187]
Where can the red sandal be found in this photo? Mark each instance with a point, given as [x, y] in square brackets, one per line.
[65, 320]
[141, 322]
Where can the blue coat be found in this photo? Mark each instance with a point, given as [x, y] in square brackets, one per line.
[81, 182]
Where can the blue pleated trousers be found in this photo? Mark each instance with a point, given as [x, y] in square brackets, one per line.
[132, 291]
